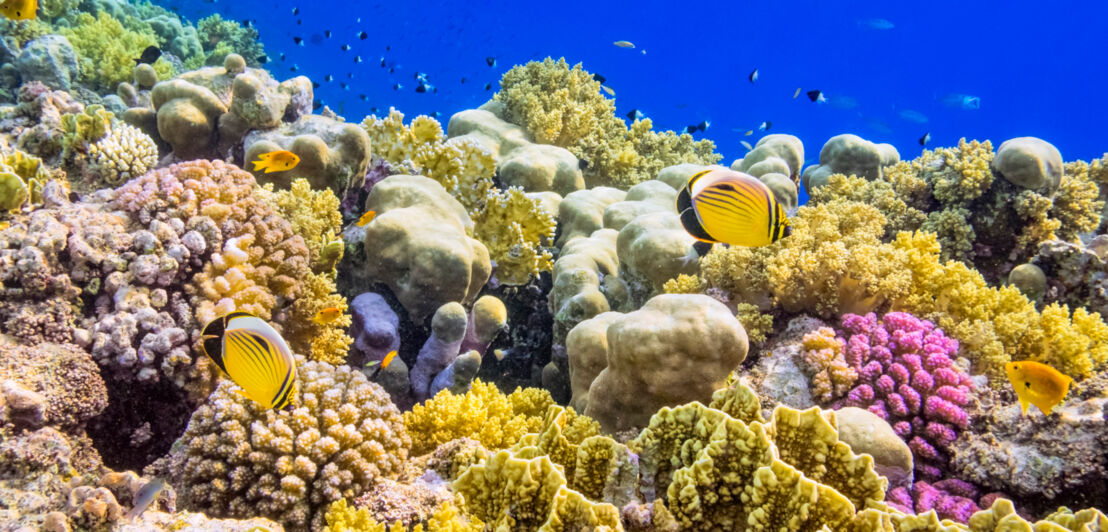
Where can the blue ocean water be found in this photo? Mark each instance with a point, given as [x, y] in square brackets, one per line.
[890, 71]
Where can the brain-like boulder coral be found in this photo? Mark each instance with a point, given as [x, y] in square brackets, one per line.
[332, 154]
[850, 155]
[420, 245]
[188, 115]
[237, 459]
[675, 349]
[771, 153]
[1029, 162]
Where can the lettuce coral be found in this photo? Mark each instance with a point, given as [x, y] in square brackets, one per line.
[107, 50]
[483, 414]
[22, 178]
[563, 106]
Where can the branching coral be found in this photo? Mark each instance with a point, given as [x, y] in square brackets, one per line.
[107, 50]
[483, 413]
[827, 368]
[516, 229]
[563, 106]
[123, 153]
[237, 459]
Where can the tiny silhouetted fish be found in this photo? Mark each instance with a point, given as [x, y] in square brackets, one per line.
[344, 86]
[435, 114]
[364, 97]
[149, 55]
[698, 127]
[753, 76]
[295, 11]
[491, 61]
[315, 84]
[294, 67]
[282, 56]
[362, 35]
[583, 164]
[346, 47]
[382, 61]
[925, 139]
[421, 88]
[634, 114]
[246, 22]
[391, 70]
[488, 86]
[357, 59]
[317, 105]
[599, 78]
[328, 78]
[263, 59]
[816, 95]
[463, 80]
[764, 126]
[327, 33]
[299, 41]
[388, 47]
[397, 87]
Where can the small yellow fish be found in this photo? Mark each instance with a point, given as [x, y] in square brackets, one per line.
[1038, 384]
[797, 93]
[276, 161]
[608, 90]
[19, 9]
[624, 44]
[366, 218]
[748, 133]
[381, 364]
[746, 145]
[327, 315]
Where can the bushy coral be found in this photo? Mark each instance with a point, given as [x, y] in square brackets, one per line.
[563, 106]
[517, 231]
[238, 459]
[107, 50]
[462, 166]
[483, 414]
[123, 153]
[906, 375]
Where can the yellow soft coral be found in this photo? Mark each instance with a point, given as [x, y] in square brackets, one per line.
[483, 414]
[313, 213]
[563, 106]
[880, 194]
[516, 230]
[1076, 204]
[462, 166]
[828, 369]
[107, 50]
[342, 517]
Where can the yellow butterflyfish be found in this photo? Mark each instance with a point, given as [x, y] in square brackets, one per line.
[276, 161]
[255, 356]
[1038, 384]
[722, 205]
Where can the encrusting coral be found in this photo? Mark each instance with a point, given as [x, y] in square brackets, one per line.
[563, 106]
[238, 459]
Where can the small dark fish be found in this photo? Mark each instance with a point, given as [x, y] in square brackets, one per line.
[388, 48]
[488, 86]
[262, 59]
[698, 127]
[363, 97]
[317, 105]
[583, 164]
[328, 78]
[463, 80]
[599, 78]
[764, 126]
[315, 84]
[397, 87]
[349, 75]
[382, 61]
[295, 11]
[299, 41]
[420, 76]
[327, 33]
[374, 110]
[294, 67]
[753, 76]
[491, 61]
[282, 56]
[362, 35]
[357, 59]
[926, 138]
[299, 22]
[391, 70]
[816, 95]
[344, 86]
[436, 114]
[246, 22]
[634, 114]
[149, 55]
[346, 47]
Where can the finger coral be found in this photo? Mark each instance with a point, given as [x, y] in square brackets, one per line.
[483, 414]
[237, 459]
[123, 153]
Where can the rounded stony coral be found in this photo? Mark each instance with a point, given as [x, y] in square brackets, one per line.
[237, 459]
[123, 153]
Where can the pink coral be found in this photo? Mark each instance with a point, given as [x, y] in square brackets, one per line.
[906, 375]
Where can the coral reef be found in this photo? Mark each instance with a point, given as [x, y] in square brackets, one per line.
[483, 413]
[106, 50]
[563, 106]
[238, 460]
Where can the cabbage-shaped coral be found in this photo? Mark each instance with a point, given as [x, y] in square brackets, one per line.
[237, 459]
[563, 106]
[107, 50]
[516, 229]
[483, 414]
[462, 165]
[22, 178]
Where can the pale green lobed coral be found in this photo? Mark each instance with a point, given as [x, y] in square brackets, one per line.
[107, 50]
[221, 37]
[563, 106]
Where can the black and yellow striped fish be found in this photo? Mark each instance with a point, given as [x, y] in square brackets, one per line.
[720, 205]
[254, 356]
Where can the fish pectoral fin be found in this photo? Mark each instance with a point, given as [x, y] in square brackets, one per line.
[1024, 404]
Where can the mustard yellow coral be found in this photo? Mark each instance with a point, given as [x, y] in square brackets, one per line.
[831, 376]
[563, 106]
[483, 413]
[516, 229]
[342, 517]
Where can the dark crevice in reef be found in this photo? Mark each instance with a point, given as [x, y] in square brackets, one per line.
[140, 424]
